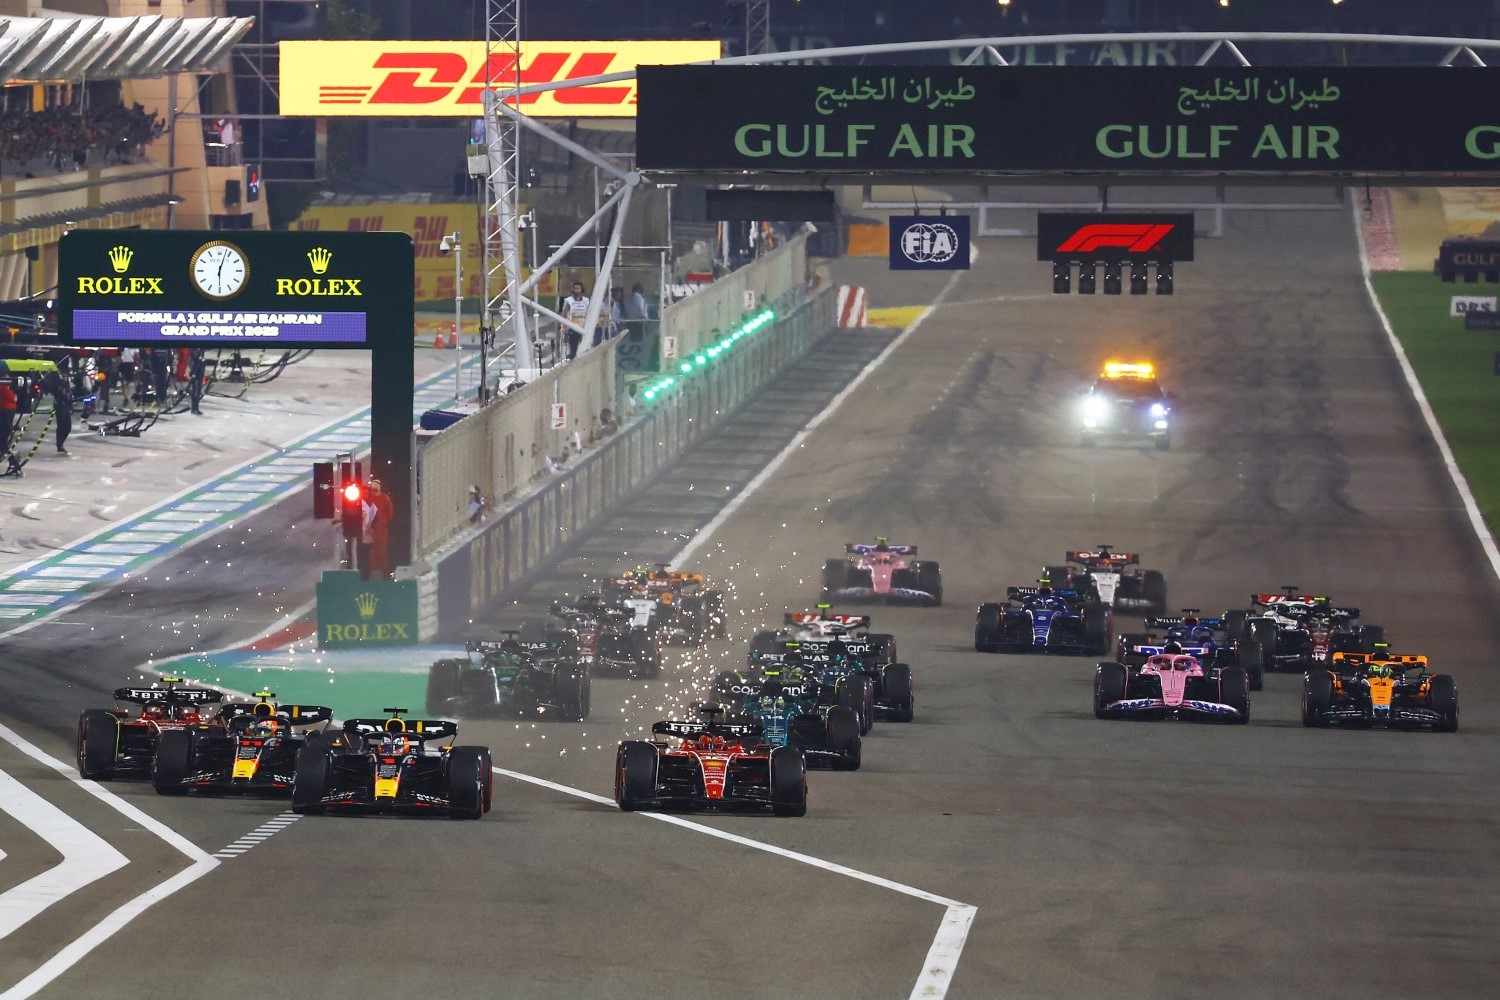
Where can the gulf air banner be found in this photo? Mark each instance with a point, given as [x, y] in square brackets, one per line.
[399, 79]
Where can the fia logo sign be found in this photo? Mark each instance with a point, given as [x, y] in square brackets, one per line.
[929, 243]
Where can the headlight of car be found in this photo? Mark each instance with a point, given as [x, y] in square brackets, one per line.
[1158, 410]
[1094, 411]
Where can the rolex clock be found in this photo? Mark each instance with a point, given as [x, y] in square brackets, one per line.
[219, 270]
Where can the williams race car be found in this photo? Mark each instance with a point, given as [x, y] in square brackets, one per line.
[883, 573]
[388, 765]
[254, 750]
[1287, 631]
[1043, 620]
[539, 675]
[1108, 575]
[1126, 402]
[1379, 689]
[713, 766]
[111, 742]
[1205, 638]
[1171, 684]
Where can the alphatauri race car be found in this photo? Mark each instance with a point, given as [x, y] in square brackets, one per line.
[254, 749]
[514, 676]
[1171, 684]
[111, 741]
[1205, 638]
[1379, 689]
[1108, 575]
[883, 573]
[1290, 631]
[1043, 620]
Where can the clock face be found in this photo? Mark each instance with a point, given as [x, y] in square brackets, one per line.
[220, 270]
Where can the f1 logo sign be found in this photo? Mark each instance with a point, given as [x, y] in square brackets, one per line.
[1127, 238]
[1114, 236]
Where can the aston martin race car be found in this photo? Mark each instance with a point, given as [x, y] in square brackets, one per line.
[791, 714]
[254, 749]
[1205, 638]
[883, 573]
[392, 765]
[1044, 620]
[1379, 689]
[835, 645]
[1126, 401]
[1289, 631]
[1172, 684]
[1108, 575]
[713, 765]
[677, 607]
[608, 641]
[540, 675]
[112, 742]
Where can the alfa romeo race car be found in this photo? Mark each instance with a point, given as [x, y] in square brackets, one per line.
[1287, 631]
[111, 741]
[254, 750]
[1205, 638]
[537, 676]
[790, 714]
[1126, 401]
[836, 645]
[883, 573]
[713, 766]
[1379, 689]
[1171, 684]
[1043, 620]
[608, 640]
[389, 765]
[1108, 575]
[677, 607]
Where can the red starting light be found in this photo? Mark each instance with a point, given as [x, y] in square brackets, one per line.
[351, 493]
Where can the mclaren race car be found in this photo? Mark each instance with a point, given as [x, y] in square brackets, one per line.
[394, 765]
[676, 607]
[1171, 684]
[1044, 620]
[540, 675]
[111, 741]
[255, 750]
[1289, 631]
[1379, 689]
[713, 766]
[883, 573]
[1205, 638]
[1108, 575]
[1125, 402]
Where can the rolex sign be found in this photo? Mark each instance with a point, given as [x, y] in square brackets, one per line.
[362, 613]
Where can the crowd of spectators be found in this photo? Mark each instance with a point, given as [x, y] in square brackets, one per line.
[66, 137]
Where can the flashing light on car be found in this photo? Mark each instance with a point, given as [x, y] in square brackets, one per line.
[1118, 369]
[1158, 410]
[1161, 425]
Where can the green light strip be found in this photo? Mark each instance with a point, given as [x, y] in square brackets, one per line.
[710, 354]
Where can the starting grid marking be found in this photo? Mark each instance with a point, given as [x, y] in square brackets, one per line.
[259, 835]
[93, 564]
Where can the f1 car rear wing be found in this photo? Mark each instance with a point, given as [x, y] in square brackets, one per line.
[862, 550]
[414, 729]
[1270, 600]
[1012, 593]
[172, 695]
[292, 715]
[692, 730]
[1160, 622]
[813, 618]
[1401, 659]
[1104, 555]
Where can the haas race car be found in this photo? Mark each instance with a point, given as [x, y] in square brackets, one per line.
[1171, 684]
[1205, 638]
[1044, 620]
[537, 674]
[1288, 631]
[111, 741]
[1108, 575]
[1379, 689]
[713, 766]
[883, 573]
[254, 750]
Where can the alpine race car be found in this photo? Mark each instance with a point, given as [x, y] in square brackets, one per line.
[1044, 620]
[677, 607]
[541, 675]
[1205, 638]
[714, 766]
[1379, 689]
[389, 765]
[1108, 575]
[111, 741]
[883, 573]
[1171, 684]
[609, 641]
[1287, 631]
[254, 750]
[791, 714]
[1126, 401]
[835, 645]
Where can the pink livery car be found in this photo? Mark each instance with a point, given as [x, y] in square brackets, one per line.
[1172, 684]
[883, 573]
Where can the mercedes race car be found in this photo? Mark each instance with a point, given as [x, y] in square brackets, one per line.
[1205, 638]
[1126, 401]
[539, 675]
[1288, 631]
[112, 742]
[1044, 620]
[834, 646]
[676, 607]
[254, 750]
[1379, 689]
[608, 640]
[1108, 575]
[1171, 684]
[884, 573]
[713, 766]
[391, 765]
[791, 714]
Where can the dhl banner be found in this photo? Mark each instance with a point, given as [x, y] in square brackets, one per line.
[427, 224]
[398, 79]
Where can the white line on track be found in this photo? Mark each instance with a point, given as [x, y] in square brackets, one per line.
[259, 835]
[1476, 519]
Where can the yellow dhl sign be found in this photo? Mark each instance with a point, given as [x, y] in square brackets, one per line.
[400, 79]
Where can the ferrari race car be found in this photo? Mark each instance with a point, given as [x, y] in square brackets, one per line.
[835, 646]
[608, 641]
[388, 765]
[1286, 631]
[790, 714]
[1379, 689]
[1205, 638]
[713, 766]
[111, 742]
[1108, 575]
[1126, 401]
[1043, 620]
[254, 750]
[883, 573]
[676, 607]
[1171, 684]
[537, 676]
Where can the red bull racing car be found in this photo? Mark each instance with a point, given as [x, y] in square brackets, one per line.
[254, 750]
[883, 573]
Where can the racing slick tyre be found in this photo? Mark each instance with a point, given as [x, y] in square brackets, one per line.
[1317, 697]
[635, 775]
[899, 693]
[788, 782]
[1261, 635]
[843, 738]
[1256, 674]
[833, 575]
[987, 628]
[854, 693]
[1096, 628]
[470, 782]
[442, 684]
[930, 581]
[1234, 691]
[1234, 624]
[647, 655]
[1109, 687]
[98, 742]
[571, 687]
[1442, 698]
[1154, 590]
[175, 750]
[1370, 636]
[310, 783]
